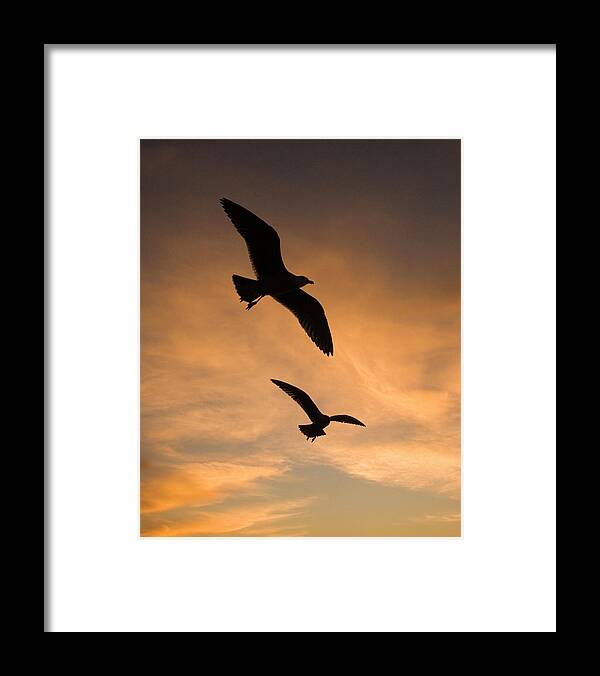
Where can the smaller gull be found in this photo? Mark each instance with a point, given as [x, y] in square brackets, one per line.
[319, 420]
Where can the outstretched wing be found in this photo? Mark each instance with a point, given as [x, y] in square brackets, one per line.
[301, 398]
[309, 312]
[346, 419]
[262, 240]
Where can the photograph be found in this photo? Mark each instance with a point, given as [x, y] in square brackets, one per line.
[300, 337]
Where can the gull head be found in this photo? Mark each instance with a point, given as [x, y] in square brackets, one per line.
[303, 281]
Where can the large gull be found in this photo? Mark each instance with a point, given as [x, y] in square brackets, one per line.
[319, 420]
[273, 278]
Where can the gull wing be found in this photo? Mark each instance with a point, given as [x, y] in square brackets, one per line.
[309, 312]
[262, 240]
[346, 419]
[301, 398]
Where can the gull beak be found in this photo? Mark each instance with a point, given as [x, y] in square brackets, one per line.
[310, 281]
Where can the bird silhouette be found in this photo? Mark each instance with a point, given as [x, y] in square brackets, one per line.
[319, 420]
[273, 278]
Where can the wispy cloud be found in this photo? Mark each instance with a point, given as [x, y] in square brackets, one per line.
[250, 520]
[200, 483]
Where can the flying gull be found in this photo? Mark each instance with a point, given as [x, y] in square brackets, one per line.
[273, 278]
[319, 420]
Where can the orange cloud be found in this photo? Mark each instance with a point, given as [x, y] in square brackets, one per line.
[248, 520]
[199, 483]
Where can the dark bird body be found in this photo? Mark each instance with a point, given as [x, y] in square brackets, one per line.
[273, 278]
[319, 421]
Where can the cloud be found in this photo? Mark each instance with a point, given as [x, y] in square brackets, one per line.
[249, 520]
[200, 483]
[407, 465]
[453, 517]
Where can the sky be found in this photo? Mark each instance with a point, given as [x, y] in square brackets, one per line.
[376, 225]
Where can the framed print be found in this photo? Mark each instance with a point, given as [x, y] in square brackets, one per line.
[300, 338]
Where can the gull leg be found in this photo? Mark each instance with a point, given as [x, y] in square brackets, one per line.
[253, 303]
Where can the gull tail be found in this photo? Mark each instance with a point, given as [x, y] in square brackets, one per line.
[248, 289]
[311, 431]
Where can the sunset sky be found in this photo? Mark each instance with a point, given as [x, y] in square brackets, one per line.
[376, 225]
